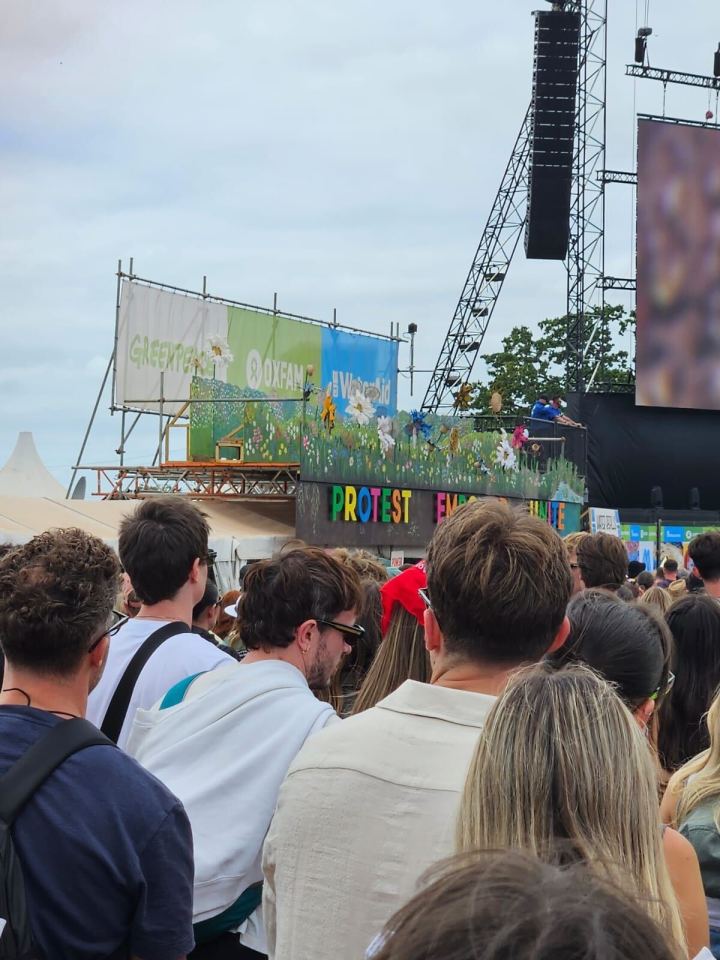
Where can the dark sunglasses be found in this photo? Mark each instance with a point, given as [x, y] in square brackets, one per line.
[668, 687]
[425, 597]
[353, 631]
[209, 558]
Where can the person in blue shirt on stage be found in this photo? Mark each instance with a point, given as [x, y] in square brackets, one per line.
[554, 413]
[540, 409]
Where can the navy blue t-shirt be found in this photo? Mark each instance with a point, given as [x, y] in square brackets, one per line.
[106, 852]
[540, 411]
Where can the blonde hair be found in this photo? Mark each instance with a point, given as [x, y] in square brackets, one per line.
[704, 769]
[572, 540]
[657, 597]
[560, 757]
[401, 656]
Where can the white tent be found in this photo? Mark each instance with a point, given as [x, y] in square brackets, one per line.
[239, 531]
[25, 475]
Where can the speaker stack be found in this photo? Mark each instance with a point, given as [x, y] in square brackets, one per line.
[547, 229]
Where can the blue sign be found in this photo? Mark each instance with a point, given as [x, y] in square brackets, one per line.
[673, 534]
[356, 363]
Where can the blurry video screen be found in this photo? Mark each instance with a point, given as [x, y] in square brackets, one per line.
[678, 266]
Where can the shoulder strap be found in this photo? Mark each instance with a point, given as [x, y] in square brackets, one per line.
[176, 694]
[36, 764]
[117, 711]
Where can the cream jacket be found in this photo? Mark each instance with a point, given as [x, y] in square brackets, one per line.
[367, 806]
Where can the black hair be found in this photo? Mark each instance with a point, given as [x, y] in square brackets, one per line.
[695, 624]
[704, 551]
[209, 598]
[626, 643]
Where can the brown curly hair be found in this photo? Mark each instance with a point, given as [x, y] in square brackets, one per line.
[56, 594]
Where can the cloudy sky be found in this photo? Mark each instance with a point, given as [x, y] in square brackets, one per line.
[343, 155]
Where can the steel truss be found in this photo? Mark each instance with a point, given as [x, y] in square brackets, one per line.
[586, 254]
[202, 481]
[672, 76]
[485, 279]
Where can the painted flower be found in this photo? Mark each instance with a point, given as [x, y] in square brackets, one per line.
[328, 413]
[505, 455]
[360, 409]
[454, 441]
[219, 351]
[384, 428]
[519, 437]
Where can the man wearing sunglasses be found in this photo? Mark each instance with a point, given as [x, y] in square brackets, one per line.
[163, 548]
[371, 803]
[223, 741]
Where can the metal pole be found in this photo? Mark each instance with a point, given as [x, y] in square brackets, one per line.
[122, 438]
[160, 418]
[115, 340]
[89, 428]
[275, 310]
[412, 362]
[204, 292]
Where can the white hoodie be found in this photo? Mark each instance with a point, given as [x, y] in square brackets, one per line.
[225, 751]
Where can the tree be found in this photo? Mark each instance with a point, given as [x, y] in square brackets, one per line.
[531, 363]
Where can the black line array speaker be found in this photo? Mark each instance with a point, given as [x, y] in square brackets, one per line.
[547, 229]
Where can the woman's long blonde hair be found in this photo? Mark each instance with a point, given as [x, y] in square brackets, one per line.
[704, 770]
[561, 759]
[401, 656]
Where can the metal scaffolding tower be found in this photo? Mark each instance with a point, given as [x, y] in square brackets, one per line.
[586, 255]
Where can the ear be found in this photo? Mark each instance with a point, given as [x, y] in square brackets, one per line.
[434, 640]
[644, 712]
[194, 574]
[98, 655]
[563, 632]
[304, 635]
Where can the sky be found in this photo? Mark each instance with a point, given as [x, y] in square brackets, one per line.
[342, 155]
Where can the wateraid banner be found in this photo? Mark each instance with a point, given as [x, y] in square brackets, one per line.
[163, 332]
[263, 353]
[351, 362]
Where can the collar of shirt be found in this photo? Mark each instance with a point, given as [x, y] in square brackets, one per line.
[429, 700]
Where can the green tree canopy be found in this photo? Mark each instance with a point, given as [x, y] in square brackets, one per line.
[533, 362]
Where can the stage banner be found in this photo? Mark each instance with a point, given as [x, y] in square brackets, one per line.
[353, 363]
[163, 332]
[271, 354]
[605, 520]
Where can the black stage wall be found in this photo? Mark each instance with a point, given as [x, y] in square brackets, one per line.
[632, 449]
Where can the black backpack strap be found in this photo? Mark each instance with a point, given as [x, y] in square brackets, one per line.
[36, 764]
[117, 711]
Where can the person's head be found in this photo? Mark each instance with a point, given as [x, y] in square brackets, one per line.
[570, 543]
[635, 567]
[163, 546]
[700, 776]
[301, 605]
[509, 905]
[561, 758]
[669, 568]
[56, 598]
[676, 589]
[603, 560]
[704, 551]
[626, 643]
[645, 580]
[401, 656]
[127, 601]
[225, 621]
[355, 666]
[694, 622]
[557, 402]
[498, 585]
[367, 566]
[657, 597]
[543, 399]
[205, 611]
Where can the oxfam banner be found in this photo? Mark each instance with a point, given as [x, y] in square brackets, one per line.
[271, 354]
[164, 333]
[352, 362]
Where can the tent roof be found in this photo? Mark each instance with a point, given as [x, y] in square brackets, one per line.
[25, 475]
[254, 529]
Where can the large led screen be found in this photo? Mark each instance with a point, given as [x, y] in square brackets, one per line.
[678, 266]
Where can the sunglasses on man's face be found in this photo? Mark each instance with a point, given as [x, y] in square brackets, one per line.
[209, 558]
[351, 631]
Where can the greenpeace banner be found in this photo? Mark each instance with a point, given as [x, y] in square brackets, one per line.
[262, 353]
[163, 332]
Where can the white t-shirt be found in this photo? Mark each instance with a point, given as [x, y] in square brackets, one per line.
[177, 658]
[224, 751]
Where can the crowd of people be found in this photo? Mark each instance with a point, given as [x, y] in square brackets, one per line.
[508, 750]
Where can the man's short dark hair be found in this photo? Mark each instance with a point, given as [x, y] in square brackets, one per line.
[209, 598]
[704, 551]
[543, 397]
[303, 584]
[56, 596]
[499, 582]
[669, 565]
[158, 545]
[603, 560]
